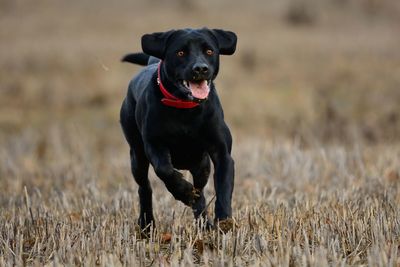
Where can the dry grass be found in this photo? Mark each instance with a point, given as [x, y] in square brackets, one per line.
[312, 99]
[316, 206]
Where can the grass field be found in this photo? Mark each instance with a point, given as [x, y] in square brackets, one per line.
[312, 97]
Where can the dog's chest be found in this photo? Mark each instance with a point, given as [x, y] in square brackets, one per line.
[186, 152]
[183, 136]
[184, 140]
[182, 128]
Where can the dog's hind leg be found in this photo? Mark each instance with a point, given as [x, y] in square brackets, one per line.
[200, 175]
[139, 166]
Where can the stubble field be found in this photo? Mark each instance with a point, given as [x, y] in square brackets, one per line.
[311, 97]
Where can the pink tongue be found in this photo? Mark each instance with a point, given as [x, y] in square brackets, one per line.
[199, 90]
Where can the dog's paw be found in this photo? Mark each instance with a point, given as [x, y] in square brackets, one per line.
[226, 225]
[195, 196]
[191, 196]
[145, 226]
[185, 192]
[196, 193]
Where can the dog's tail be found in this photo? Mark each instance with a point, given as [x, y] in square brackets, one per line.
[136, 58]
[140, 59]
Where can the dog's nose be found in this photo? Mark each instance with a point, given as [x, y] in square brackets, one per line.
[200, 68]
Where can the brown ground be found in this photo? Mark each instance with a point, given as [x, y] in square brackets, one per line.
[312, 97]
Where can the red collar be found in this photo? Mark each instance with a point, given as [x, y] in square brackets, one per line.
[171, 100]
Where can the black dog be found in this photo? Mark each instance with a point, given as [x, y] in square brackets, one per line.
[172, 118]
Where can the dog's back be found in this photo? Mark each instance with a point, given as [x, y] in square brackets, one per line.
[139, 83]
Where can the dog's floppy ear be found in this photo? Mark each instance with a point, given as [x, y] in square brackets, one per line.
[154, 44]
[226, 41]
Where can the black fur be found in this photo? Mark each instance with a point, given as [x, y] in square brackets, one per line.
[137, 58]
[172, 139]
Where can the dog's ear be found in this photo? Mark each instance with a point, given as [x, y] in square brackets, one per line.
[154, 44]
[226, 41]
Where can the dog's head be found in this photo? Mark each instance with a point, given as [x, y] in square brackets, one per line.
[190, 57]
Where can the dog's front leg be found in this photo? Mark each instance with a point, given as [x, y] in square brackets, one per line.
[181, 189]
[223, 183]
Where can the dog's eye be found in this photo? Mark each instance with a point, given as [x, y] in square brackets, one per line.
[180, 53]
[209, 52]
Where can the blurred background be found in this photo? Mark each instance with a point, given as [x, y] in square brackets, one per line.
[320, 71]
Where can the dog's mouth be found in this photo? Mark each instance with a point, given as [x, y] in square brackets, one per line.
[199, 89]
